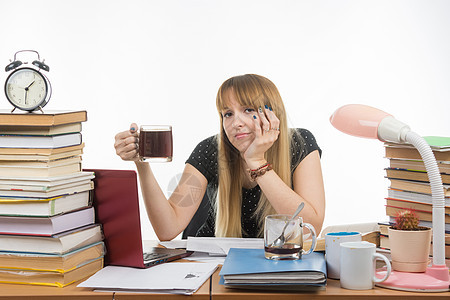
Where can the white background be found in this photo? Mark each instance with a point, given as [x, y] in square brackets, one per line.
[161, 62]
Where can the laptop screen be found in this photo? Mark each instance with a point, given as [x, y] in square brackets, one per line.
[116, 204]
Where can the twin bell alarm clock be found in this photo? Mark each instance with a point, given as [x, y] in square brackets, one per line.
[27, 88]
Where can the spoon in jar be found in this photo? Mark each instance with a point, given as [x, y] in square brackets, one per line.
[279, 242]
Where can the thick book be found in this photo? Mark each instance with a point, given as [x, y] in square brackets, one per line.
[46, 226]
[244, 268]
[416, 186]
[424, 223]
[413, 196]
[27, 171]
[44, 183]
[413, 175]
[42, 163]
[39, 158]
[393, 211]
[437, 143]
[20, 153]
[371, 237]
[406, 204]
[43, 207]
[417, 165]
[66, 189]
[58, 278]
[49, 118]
[56, 244]
[41, 130]
[40, 141]
[412, 153]
[48, 262]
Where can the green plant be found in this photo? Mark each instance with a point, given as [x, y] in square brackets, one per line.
[406, 220]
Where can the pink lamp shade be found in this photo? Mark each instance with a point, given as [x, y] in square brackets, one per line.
[369, 122]
[358, 120]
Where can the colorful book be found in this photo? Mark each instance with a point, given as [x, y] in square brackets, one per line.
[413, 196]
[416, 186]
[49, 118]
[413, 175]
[52, 171]
[46, 226]
[65, 189]
[49, 262]
[44, 183]
[57, 244]
[39, 153]
[41, 130]
[40, 141]
[43, 207]
[56, 278]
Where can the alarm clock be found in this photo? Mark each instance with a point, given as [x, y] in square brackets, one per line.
[27, 88]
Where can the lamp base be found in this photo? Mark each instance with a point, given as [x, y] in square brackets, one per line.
[435, 279]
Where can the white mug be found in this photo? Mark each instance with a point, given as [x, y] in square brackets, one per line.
[333, 242]
[358, 265]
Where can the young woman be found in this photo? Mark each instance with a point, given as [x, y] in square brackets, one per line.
[254, 167]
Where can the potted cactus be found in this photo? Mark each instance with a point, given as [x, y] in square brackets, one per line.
[409, 243]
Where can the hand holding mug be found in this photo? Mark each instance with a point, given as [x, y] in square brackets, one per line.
[126, 144]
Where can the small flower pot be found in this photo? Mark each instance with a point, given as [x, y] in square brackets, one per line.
[410, 249]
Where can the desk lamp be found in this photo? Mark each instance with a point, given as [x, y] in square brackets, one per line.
[369, 122]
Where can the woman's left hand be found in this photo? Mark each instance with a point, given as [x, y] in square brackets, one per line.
[267, 129]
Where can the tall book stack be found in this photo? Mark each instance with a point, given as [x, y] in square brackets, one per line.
[48, 234]
[409, 185]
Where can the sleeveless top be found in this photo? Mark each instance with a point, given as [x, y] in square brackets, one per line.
[204, 159]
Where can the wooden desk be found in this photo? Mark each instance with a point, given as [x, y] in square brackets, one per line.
[332, 291]
[218, 292]
[72, 292]
[31, 292]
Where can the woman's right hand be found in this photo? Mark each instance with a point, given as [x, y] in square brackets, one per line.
[126, 144]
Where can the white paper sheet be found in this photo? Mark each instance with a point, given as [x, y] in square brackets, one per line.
[221, 246]
[176, 278]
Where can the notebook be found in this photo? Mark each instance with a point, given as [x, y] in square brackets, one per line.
[116, 203]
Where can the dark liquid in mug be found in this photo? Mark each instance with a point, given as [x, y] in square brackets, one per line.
[155, 144]
[286, 249]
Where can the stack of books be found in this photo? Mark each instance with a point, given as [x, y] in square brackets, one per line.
[48, 234]
[409, 185]
[249, 269]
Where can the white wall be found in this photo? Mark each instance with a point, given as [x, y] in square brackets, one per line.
[163, 61]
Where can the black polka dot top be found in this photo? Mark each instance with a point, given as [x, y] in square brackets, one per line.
[204, 159]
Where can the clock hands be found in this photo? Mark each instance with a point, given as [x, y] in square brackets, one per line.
[26, 90]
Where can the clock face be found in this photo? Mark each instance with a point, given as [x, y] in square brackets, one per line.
[26, 89]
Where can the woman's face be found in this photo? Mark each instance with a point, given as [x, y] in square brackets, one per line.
[238, 123]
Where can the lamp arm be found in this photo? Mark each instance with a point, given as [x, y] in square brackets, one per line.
[437, 194]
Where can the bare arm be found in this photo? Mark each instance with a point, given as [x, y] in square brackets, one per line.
[308, 187]
[168, 218]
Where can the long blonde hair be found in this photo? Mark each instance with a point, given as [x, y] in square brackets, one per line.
[250, 91]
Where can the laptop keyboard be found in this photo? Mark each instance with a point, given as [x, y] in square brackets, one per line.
[151, 255]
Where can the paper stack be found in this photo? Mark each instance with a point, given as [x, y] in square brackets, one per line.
[170, 278]
[48, 234]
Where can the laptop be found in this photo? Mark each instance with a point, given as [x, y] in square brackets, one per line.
[116, 203]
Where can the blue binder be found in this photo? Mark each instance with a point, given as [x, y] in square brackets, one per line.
[252, 261]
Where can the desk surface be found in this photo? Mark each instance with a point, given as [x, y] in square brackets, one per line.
[332, 291]
[28, 292]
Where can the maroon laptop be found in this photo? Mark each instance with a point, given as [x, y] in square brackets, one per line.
[116, 203]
